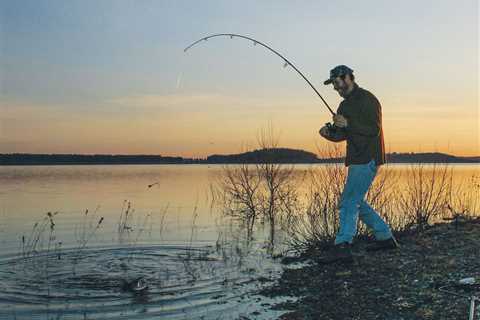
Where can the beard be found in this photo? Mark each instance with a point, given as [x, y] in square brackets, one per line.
[343, 91]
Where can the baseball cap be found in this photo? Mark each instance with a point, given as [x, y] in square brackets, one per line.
[337, 72]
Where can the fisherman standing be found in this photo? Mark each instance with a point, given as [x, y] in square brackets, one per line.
[359, 122]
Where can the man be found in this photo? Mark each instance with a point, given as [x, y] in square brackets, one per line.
[359, 122]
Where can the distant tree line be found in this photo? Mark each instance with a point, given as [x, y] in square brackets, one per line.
[271, 155]
[268, 155]
[73, 159]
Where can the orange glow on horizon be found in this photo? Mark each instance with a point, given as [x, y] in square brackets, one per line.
[170, 126]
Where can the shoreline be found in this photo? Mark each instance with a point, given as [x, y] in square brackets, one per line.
[399, 284]
[220, 164]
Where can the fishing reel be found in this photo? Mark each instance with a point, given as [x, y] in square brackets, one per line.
[332, 128]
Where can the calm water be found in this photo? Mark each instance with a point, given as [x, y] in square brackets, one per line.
[170, 241]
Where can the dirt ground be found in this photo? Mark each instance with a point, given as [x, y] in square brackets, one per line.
[395, 285]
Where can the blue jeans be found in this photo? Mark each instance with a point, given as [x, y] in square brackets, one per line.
[353, 205]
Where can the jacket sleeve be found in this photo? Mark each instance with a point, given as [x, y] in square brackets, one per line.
[337, 136]
[370, 123]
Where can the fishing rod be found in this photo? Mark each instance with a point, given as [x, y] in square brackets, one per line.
[255, 42]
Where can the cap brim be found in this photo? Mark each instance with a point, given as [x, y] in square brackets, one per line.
[328, 81]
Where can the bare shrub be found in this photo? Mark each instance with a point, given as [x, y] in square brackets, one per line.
[464, 199]
[262, 192]
[426, 194]
[238, 190]
[317, 222]
[278, 195]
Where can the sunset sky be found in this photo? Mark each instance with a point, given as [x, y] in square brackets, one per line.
[111, 76]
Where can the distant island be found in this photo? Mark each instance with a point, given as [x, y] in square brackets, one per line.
[277, 155]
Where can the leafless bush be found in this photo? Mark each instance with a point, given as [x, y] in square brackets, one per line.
[464, 199]
[238, 191]
[263, 192]
[426, 194]
[316, 223]
[278, 197]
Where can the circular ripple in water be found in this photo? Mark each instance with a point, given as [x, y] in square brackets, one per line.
[183, 283]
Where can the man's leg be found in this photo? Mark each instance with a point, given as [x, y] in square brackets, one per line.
[359, 179]
[373, 220]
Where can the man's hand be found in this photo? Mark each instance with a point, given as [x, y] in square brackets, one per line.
[340, 121]
[324, 132]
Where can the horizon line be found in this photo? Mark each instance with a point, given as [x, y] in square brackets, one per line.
[216, 154]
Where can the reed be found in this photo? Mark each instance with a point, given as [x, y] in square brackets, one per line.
[88, 228]
[125, 221]
[84, 232]
[187, 258]
[34, 243]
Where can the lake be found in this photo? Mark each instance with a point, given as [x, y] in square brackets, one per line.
[113, 230]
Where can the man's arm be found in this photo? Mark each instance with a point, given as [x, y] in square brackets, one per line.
[335, 136]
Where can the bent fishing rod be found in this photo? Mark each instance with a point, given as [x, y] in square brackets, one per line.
[255, 42]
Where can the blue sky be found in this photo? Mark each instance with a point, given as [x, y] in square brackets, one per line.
[111, 76]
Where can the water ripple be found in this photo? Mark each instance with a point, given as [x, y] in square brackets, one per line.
[193, 283]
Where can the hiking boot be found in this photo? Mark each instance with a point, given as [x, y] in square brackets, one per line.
[341, 253]
[387, 244]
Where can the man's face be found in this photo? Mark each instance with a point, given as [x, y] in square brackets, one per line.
[341, 86]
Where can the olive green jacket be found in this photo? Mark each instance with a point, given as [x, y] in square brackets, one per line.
[364, 132]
